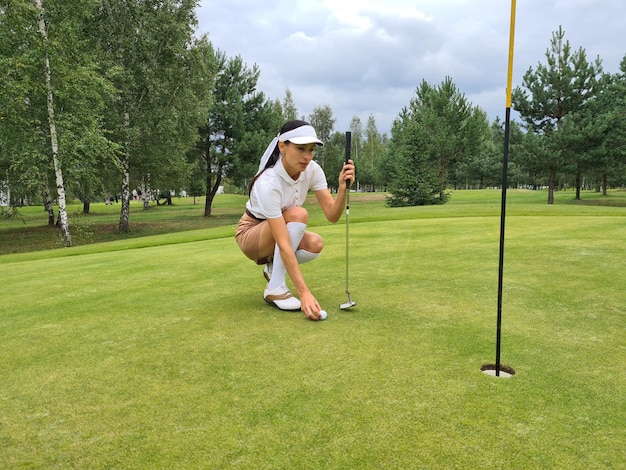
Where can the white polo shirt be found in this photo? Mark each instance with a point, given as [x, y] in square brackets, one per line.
[275, 191]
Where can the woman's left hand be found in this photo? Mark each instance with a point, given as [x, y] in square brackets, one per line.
[347, 175]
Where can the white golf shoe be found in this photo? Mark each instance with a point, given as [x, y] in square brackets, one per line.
[281, 297]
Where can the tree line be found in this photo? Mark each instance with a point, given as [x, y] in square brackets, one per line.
[98, 96]
[572, 133]
[103, 97]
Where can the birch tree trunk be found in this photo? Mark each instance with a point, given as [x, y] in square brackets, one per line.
[125, 212]
[47, 203]
[124, 226]
[65, 228]
[147, 192]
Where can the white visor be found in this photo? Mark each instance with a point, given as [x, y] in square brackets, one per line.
[301, 135]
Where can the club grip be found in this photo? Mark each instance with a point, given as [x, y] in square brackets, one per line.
[348, 145]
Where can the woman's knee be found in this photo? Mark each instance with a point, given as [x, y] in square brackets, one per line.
[312, 242]
[296, 214]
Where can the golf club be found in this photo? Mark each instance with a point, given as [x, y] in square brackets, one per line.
[349, 303]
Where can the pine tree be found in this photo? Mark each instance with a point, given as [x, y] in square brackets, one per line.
[551, 92]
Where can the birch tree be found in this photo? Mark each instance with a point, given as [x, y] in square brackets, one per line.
[52, 101]
[290, 111]
[371, 155]
[323, 121]
[58, 171]
[24, 128]
[162, 75]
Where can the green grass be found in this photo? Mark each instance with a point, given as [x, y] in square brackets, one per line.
[29, 230]
[159, 352]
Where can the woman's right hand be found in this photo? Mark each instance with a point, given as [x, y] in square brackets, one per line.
[310, 307]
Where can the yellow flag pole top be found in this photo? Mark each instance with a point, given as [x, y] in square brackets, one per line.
[509, 82]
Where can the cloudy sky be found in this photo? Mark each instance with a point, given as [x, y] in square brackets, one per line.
[366, 57]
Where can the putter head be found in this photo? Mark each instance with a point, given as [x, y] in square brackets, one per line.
[349, 303]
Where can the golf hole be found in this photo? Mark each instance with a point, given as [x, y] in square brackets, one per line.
[505, 371]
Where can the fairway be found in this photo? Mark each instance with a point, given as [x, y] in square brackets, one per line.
[159, 352]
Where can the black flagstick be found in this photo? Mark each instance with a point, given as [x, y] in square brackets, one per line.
[507, 131]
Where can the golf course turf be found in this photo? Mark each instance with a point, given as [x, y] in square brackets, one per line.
[159, 352]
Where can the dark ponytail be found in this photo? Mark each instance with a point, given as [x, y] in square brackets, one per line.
[288, 126]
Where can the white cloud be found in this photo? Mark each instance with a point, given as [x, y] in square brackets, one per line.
[366, 57]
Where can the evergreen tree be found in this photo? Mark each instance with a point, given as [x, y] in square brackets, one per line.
[550, 93]
[240, 124]
[445, 129]
[594, 137]
[413, 181]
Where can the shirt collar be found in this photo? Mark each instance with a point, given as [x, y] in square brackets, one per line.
[280, 171]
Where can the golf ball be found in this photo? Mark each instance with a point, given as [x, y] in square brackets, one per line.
[323, 315]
